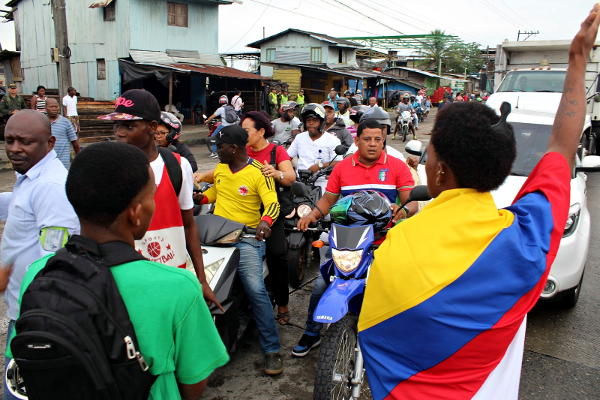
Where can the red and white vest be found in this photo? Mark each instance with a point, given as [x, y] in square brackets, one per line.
[164, 242]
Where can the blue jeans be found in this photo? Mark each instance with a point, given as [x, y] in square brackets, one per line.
[213, 147]
[313, 328]
[250, 272]
[7, 394]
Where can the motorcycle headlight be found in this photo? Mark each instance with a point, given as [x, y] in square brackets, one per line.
[211, 269]
[230, 238]
[303, 210]
[346, 260]
[572, 219]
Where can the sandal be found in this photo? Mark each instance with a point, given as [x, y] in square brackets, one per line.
[283, 318]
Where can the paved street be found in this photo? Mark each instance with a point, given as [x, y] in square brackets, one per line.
[562, 359]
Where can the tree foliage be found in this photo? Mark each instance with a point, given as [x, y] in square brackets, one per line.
[444, 54]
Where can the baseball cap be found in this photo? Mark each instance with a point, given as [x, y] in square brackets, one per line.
[328, 103]
[135, 104]
[232, 134]
[12, 85]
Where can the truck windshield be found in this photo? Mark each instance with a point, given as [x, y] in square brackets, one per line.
[532, 144]
[533, 81]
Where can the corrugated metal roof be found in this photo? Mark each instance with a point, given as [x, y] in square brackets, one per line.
[318, 36]
[417, 71]
[222, 71]
[174, 56]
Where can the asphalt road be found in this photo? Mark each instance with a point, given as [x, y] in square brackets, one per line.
[562, 358]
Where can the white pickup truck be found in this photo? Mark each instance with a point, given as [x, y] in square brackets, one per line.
[530, 76]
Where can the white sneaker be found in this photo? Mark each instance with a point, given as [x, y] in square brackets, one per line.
[214, 155]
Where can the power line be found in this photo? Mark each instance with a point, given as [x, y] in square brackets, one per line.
[366, 16]
[312, 17]
[491, 6]
[512, 10]
[251, 27]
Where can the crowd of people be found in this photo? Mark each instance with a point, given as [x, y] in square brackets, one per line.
[436, 325]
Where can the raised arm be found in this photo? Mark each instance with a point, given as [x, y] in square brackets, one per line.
[570, 116]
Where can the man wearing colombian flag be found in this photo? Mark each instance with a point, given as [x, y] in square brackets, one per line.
[448, 321]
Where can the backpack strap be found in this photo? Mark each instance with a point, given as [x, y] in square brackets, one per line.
[273, 161]
[173, 168]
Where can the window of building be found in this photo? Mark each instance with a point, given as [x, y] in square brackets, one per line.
[101, 69]
[270, 55]
[177, 14]
[340, 56]
[315, 55]
[109, 12]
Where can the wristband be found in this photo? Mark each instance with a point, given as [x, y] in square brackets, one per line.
[320, 212]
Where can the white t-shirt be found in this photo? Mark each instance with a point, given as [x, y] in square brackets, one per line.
[221, 113]
[283, 130]
[237, 103]
[186, 201]
[308, 150]
[71, 104]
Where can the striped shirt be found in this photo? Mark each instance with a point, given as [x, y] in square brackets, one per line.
[64, 132]
[239, 196]
[40, 103]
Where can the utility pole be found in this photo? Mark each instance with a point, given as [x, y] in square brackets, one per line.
[62, 43]
[528, 33]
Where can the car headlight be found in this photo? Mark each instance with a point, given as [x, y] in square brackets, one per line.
[303, 210]
[572, 219]
[346, 260]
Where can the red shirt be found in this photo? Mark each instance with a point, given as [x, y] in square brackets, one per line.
[387, 176]
[264, 155]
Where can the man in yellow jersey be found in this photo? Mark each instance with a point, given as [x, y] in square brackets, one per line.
[239, 190]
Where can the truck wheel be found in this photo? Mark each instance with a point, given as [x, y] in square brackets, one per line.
[335, 366]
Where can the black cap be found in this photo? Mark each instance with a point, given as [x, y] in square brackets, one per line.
[135, 104]
[232, 134]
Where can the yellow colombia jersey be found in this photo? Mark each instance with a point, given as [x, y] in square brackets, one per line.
[239, 196]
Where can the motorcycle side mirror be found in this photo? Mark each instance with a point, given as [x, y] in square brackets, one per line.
[340, 150]
[419, 193]
[298, 189]
[414, 147]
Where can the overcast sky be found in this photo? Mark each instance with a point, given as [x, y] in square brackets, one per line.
[487, 22]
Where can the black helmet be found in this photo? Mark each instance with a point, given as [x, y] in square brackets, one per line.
[357, 112]
[172, 122]
[364, 207]
[343, 100]
[379, 114]
[312, 110]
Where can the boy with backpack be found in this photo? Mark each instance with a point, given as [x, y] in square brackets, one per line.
[172, 233]
[99, 321]
[228, 117]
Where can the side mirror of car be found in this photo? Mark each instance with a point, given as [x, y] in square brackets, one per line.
[414, 147]
[589, 164]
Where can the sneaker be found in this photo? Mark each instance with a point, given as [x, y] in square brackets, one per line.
[213, 155]
[305, 345]
[273, 364]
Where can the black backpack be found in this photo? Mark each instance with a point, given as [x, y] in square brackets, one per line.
[173, 168]
[74, 337]
[284, 193]
[230, 115]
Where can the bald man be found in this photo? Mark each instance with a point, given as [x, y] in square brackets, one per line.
[64, 132]
[38, 216]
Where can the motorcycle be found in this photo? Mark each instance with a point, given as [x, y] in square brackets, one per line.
[404, 120]
[212, 127]
[340, 367]
[304, 197]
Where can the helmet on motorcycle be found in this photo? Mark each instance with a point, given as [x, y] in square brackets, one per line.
[312, 110]
[365, 207]
[173, 123]
[288, 105]
[328, 103]
[377, 113]
[356, 112]
[343, 100]
[223, 99]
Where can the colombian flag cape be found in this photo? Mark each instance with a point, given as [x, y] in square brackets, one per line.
[443, 315]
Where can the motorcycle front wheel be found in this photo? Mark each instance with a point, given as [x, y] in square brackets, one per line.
[337, 356]
[297, 263]
[404, 132]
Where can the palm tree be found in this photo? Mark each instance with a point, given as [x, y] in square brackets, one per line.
[435, 50]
